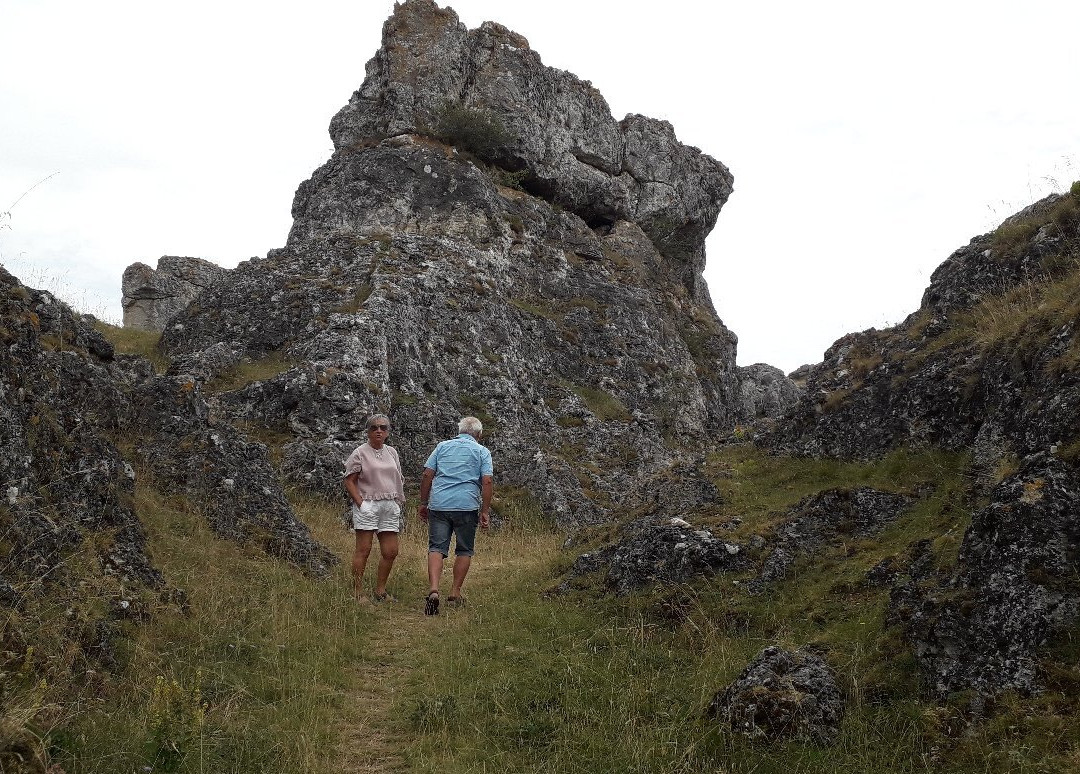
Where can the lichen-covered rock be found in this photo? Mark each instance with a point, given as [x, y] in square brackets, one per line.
[1015, 586]
[663, 553]
[152, 296]
[986, 362]
[489, 91]
[570, 317]
[63, 479]
[765, 393]
[225, 477]
[662, 546]
[825, 518]
[782, 695]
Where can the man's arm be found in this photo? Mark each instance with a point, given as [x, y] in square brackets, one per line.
[487, 488]
[425, 492]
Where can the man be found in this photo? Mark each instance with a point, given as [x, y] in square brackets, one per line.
[455, 497]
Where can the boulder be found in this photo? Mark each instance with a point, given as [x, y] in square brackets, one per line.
[1013, 591]
[152, 296]
[782, 695]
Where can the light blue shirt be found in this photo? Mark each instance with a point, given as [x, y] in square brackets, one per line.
[459, 465]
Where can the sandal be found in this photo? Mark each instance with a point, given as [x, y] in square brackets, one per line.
[459, 601]
[384, 597]
[431, 604]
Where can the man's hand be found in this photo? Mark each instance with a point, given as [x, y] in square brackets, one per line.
[485, 519]
[422, 512]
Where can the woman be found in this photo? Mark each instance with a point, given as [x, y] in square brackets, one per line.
[376, 486]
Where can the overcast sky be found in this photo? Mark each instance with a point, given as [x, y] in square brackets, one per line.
[868, 140]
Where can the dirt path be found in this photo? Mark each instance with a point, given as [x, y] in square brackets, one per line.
[375, 731]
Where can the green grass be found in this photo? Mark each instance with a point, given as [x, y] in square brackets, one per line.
[129, 341]
[255, 370]
[603, 405]
[269, 670]
[249, 677]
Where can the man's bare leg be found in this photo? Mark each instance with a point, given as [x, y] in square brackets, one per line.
[461, 569]
[434, 570]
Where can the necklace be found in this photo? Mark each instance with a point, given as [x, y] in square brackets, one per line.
[378, 452]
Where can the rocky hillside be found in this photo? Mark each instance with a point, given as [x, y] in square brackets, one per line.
[991, 364]
[486, 240]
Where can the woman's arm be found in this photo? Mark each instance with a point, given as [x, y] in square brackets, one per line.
[354, 488]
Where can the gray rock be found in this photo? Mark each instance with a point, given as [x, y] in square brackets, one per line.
[187, 450]
[571, 317]
[1015, 586]
[663, 547]
[486, 91]
[782, 695]
[826, 518]
[152, 296]
[764, 392]
[922, 384]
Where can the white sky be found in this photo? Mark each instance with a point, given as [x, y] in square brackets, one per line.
[868, 140]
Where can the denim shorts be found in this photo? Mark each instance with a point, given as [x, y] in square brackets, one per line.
[441, 524]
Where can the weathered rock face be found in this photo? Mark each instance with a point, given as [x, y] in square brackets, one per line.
[152, 296]
[765, 392]
[61, 477]
[433, 75]
[65, 490]
[416, 284]
[782, 695]
[224, 476]
[1015, 587]
[65, 400]
[988, 362]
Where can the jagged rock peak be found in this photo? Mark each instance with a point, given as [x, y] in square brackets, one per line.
[152, 296]
[437, 271]
[487, 91]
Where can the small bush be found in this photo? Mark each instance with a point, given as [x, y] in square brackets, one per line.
[476, 131]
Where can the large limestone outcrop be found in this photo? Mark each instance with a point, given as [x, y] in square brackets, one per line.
[152, 296]
[432, 75]
[417, 280]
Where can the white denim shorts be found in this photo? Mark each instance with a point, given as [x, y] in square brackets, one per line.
[379, 515]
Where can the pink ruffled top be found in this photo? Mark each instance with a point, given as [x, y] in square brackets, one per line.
[380, 473]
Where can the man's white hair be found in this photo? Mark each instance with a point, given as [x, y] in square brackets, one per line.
[470, 425]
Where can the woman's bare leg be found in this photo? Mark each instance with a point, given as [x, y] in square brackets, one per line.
[388, 550]
[359, 561]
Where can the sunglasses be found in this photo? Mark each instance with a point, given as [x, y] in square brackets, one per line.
[378, 427]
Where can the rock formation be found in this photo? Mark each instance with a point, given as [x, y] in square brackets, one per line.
[782, 695]
[152, 296]
[1013, 590]
[955, 374]
[63, 479]
[66, 402]
[486, 239]
[765, 393]
[988, 364]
